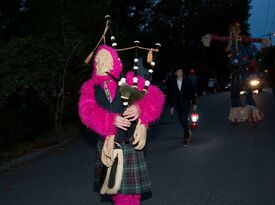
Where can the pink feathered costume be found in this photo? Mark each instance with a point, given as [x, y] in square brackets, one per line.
[100, 120]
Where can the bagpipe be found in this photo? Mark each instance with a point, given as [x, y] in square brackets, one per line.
[129, 93]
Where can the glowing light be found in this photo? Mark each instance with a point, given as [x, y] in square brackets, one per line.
[194, 120]
[256, 91]
[194, 117]
[254, 82]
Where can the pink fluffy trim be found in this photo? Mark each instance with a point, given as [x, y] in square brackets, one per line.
[151, 104]
[92, 115]
[126, 199]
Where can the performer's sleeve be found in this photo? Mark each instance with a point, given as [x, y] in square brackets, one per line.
[251, 40]
[219, 38]
[151, 104]
[92, 115]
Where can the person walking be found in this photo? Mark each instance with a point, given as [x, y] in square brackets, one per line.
[193, 78]
[211, 86]
[181, 97]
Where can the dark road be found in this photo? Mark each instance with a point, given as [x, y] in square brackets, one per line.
[225, 164]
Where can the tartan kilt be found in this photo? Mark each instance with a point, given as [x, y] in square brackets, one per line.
[135, 179]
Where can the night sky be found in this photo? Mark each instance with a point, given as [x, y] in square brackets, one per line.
[262, 20]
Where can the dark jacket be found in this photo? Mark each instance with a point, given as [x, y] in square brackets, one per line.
[185, 96]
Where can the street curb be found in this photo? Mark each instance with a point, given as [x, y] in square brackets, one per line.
[6, 166]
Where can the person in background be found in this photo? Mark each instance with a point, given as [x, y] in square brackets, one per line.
[193, 78]
[211, 85]
[181, 97]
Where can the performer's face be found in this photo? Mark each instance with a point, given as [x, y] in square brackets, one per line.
[179, 73]
[235, 31]
[104, 62]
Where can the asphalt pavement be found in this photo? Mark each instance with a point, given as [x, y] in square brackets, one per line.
[224, 165]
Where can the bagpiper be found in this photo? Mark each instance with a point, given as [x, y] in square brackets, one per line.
[119, 109]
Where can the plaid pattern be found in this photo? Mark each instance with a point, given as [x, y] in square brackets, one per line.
[135, 179]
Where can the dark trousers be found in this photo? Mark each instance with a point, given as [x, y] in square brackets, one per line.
[239, 79]
[183, 111]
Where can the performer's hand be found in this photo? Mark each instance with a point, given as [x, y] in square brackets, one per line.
[132, 113]
[172, 111]
[122, 122]
[107, 154]
[195, 107]
[206, 40]
[266, 43]
[140, 136]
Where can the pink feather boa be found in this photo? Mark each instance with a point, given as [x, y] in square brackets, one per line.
[126, 199]
[93, 115]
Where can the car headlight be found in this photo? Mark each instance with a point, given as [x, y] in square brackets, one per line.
[254, 82]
